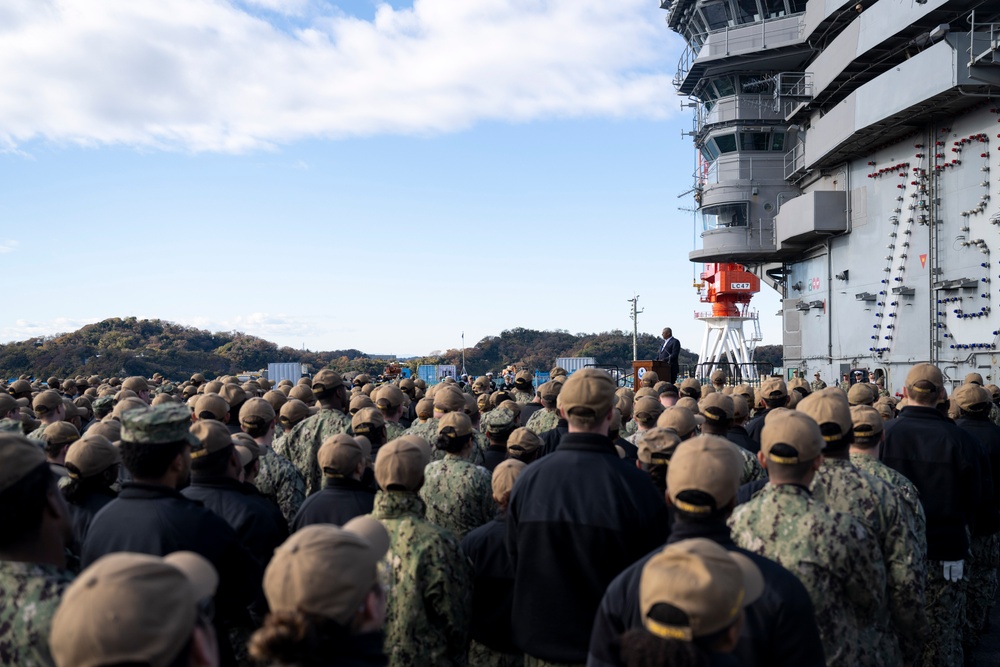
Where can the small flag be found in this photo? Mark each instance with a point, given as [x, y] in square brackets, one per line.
[923, 261]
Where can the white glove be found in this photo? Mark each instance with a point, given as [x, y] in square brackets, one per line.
[953, 570]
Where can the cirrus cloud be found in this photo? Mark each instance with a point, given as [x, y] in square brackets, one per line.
[211, 75]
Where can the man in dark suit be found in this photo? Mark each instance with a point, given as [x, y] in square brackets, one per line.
[670, 352]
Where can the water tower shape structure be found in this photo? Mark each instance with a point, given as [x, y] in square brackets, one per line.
[729, 288]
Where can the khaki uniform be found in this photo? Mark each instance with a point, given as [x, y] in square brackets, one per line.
[428, 586]
[835, 556]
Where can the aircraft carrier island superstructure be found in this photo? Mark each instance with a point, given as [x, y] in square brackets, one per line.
[849, 155]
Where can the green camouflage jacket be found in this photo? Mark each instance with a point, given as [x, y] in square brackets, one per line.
[282, 483]
[834, 555]
[904, 488]
[542, 421]
[302, 443]
[393, 430]
[428, 583]
[30, 594]
[845, 488]
[458, 495]
[522, 397]
[427, 430]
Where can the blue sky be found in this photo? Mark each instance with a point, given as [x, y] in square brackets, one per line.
[344, 174]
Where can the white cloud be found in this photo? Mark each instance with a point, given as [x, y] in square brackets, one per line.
[289, 7]
[25, 329]
[8, 246]
[205, 75]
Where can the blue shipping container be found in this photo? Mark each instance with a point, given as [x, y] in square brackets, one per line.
[428, 374]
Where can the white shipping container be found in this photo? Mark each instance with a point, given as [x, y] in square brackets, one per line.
[286, 371]
[573, 364]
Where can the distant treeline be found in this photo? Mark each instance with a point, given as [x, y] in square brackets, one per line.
[131, 346]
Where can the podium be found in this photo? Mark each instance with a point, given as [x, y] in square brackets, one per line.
[640, 368]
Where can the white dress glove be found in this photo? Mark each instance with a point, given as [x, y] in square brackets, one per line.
[953, 570]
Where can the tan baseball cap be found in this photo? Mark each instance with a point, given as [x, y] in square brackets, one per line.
[649, 378]
[924, 373]
[689, 403]
[970, 398]
[425, 408]
[18, 458]
[449, 399]
[388, 397]
[276, 399]
[718, 376]
[233, 393]
[339, 455]
[47, 401]
[992, 388]
[325, 570]
[293, 412]
[131, 608]
[134, 404]
[358, 402]
[867, 422]
[246, 443]
[109, 428]
[644, 391]
[860, 394]
[740, 408]
[647, 408]
[7, 403]
[830, 410]
[523, 379]
[326, 380]
[60, 433]
[401, 462]
[135, 383]
[367, 420]
[690, 387]
[717, 408]
[256, 412]
[709, 464]
[91, 455]
[213, 404]
[773, 388]
[213, 436]
[588, 389]
[680, 420]
[504, 476]
[795, 429]
[523, 440]
[455, 425]
[657, 445]
[973, 378]
[709, 584]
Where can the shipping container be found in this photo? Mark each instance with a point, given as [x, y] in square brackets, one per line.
[285, 371]
[428, 374]
[541, 378]
[573, 364]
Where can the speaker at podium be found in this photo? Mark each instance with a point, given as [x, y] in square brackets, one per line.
[640, 368]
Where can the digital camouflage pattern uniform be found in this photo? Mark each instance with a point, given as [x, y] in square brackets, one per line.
[542, 421]
[484, 656]
[905, 490]
[427, 430]
[393, 430]
[38, 433]
[817, 385]
[981, 575]
[428, 586]
[835, 556]
[301, 445]
[280, 482]
[899, 627]
[752, 469]
[630, 428]
[522, 397]
[458, 495]
[30, 594]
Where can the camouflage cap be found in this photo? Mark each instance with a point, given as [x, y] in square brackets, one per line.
[401, 462]
[702, 579]
[657, 445]
[91, 455]
[504, 476]
[162, 425]
[60, 433]
[523, 440]
[326, 570]
[18, 458]
[129, 608]
[498, 420]
[367, 420]
[709, 464]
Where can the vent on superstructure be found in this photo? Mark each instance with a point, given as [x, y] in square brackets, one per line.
[865, 296]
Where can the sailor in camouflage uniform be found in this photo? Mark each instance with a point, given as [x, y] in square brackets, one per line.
[391, 401]
[32, 553]
[899, 628]
[428, 580]
[523, 391]
[303, 442]
[817, 384]
[547, 418]
[277, 480]
[718, 410]
[868, 436]
[833, 554]
[458, 494]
